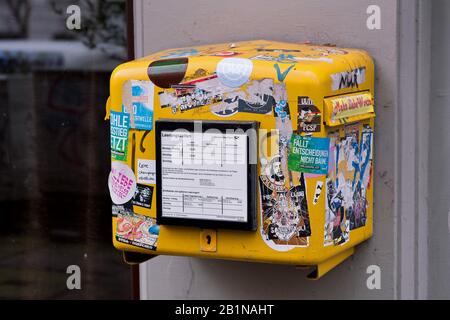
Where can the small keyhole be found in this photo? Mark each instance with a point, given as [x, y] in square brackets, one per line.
[208, 239]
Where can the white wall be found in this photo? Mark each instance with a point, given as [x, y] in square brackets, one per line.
[162, 24]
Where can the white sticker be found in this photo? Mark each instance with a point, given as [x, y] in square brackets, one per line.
[234, 72]
[318, 191]
[146, 171]
[121, 183]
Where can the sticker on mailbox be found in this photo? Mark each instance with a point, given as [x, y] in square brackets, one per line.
[138, 102]
[234, 72]
[350, 106]
[143, 196]
[121, 183]
[119, 122]
[309, 154]
[308, 115]
[146, 171]
[137, 230]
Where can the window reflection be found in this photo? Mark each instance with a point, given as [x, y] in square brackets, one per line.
[54, 148]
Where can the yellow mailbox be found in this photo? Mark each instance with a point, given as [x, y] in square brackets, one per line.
[257, 151]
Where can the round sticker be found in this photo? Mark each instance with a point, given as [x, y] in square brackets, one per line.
[234, 72]
[121, 183]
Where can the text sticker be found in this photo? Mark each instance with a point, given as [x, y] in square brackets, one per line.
[146, 171]
[309, 154]
[119, 122]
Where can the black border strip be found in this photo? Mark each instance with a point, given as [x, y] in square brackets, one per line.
[129, 12]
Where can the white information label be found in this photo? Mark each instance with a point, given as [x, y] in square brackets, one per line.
[204, 175]
[146, 171]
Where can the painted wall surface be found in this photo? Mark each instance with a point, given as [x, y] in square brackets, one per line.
[439, 152]
[166, 24]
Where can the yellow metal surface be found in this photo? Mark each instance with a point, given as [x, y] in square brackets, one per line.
[208, 240]
[323, 267]
[133, 258]
[300, 74]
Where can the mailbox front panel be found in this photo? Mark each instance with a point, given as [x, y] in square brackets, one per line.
[306, 117]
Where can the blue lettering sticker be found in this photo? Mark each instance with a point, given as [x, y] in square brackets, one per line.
[140, 99]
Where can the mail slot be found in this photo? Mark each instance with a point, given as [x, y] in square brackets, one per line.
[257, 151]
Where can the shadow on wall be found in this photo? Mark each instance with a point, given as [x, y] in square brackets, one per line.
[170, 277]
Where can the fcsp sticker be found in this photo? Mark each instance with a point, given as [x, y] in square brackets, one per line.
[308, 115]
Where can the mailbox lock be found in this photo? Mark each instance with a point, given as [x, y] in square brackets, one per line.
[208, 240]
